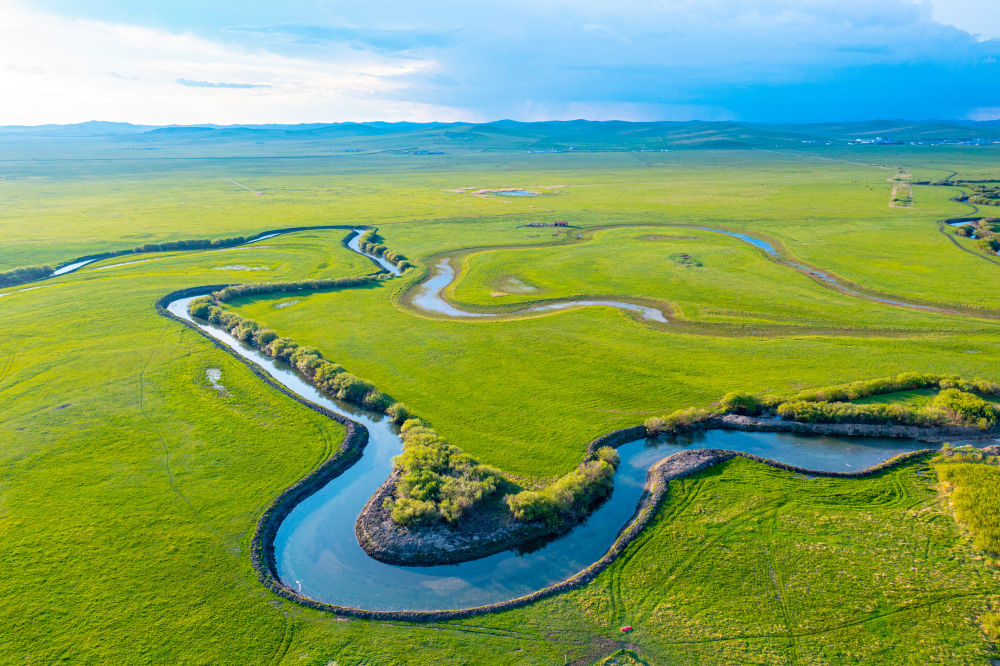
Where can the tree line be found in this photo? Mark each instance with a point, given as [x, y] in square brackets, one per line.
[24, 274]
[958, 402]
[371, 243]
[254, 288]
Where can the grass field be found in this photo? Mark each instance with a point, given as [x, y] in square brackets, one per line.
[130, 486]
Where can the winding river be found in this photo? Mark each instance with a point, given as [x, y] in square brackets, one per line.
[316, 551]
[318, 555]
[428, 296]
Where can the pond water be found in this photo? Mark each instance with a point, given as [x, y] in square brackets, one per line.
[317, 553]
[515, 193]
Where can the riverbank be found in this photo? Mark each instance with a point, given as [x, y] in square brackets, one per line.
[491, 529]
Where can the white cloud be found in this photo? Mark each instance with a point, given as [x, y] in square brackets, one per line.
[985, 114]
[56, 69]
[976, 17]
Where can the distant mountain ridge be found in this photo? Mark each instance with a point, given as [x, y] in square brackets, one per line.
[547, 136]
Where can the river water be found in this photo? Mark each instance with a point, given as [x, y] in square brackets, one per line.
[318, 555]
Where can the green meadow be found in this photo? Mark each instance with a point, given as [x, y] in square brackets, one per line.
[130, 484]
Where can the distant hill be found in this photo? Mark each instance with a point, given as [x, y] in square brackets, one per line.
[551, 136]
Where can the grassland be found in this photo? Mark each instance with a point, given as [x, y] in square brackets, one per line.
[129, 485]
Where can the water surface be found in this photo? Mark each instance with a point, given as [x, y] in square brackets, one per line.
[317, 552]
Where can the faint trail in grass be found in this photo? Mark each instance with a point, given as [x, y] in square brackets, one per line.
[844, 625]
[154, 429]
[8, 364]
[690, 489]
[777, 587]
[287, 634]
[471, 629]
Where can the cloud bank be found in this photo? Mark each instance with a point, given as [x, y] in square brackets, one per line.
[762, 60]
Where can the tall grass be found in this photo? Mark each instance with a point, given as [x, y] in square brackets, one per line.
[972, 482]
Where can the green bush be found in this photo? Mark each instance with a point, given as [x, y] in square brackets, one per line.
[24, 274]
[678, 420]
[200, 307]
[325, 373]
[437, 481]
[846, 412]
[965, 408]
[740, 403]
[398, 412]
[281, 348]
[570, 497]
[265, 336]
[350, 388]
[252, 288]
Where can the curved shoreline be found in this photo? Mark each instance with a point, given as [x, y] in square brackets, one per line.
[262, 545]
[387, 542]
[427, 294]
[356, 436]
[263, 556]
[73, 265]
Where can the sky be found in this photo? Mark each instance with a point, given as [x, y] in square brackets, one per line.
[300, 61]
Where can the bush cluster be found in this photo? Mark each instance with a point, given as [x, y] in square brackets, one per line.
[985, 231]
[678, 420]
[985, 195]
[24, 274]
[965, 408]
[371, 243]
[846, 412]
[907, 381]
[437, 480]
[191, 244]
[252, 288]
[957, 403]
[950, 407]
[571, 496]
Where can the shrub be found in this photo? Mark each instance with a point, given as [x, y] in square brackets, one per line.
[246, 331]
[398, 412]
[740, 403]
[24, 274]
[200, 307]
[191, 244]
[306, 360]
[437, 481]
[609, 455]
[252, 288]
[678, 420]
[325, 373]
[377, 401]
[350, 388]
[282, 348]
[265, 336]
[965, 408]
[846, 412]
[567, 499]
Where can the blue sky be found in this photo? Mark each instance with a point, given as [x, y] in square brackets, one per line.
[181, 61]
